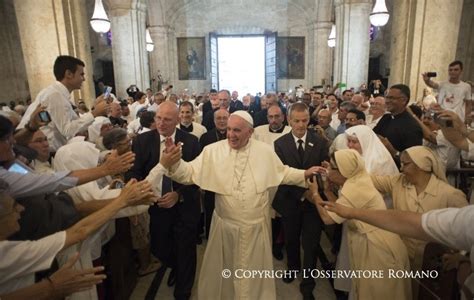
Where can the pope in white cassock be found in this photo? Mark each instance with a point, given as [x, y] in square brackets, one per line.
[240, 171]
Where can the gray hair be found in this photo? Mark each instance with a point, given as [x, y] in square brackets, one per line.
[114, 136]
[348, 105]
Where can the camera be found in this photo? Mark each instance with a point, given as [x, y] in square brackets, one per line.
[431, 74]
[44, 116]
[441, 121]
[119, 185]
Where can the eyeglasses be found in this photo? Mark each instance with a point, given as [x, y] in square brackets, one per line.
[393, 98]
[40, 140]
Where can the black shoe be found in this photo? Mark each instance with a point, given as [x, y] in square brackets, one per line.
[308, 296]
[171, 278]
[290, 277]
[277, 254]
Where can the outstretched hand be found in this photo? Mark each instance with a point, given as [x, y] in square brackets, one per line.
[171, 155]
[342, 210]
[315, 169]
[68, 280]
[137, 193]
[117, 164]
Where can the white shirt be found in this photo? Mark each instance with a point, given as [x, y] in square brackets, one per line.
[155, 176]
[21, 259]
[452, 227]
[65, 123]
[371, 122]
[23, 185]
[451, 96]
[134, 126]
[446, 151]
[303, 138]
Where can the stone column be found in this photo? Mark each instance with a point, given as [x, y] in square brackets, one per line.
[424, 38]
[352, 42]
[51, 28]
[130, 58]
[322, 63]
[159, 57]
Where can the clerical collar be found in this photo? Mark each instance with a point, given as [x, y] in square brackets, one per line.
[188, 128]
[280, 130]
[221, 135]
[399, 115]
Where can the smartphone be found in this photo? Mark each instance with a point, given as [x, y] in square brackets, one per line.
[319, 180]
[441, 121]
[119, 185]
[44, 116]
[107, 91]
[18, 167]
[431, 74]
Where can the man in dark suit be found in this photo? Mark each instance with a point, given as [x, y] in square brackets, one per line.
[212, 104]
[300, 149]
[221, 116]
[235, 104]
[173, 221]
[224, 99]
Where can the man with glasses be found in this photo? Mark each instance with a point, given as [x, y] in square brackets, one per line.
[398, 130]
[174, 220]
[376, 111]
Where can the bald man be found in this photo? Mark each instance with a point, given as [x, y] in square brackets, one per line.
[174, 220]
[240, 170]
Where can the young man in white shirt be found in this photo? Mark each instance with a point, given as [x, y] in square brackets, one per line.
[453, 94]
[56, 98]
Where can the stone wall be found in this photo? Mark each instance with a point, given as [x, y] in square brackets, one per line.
[465, 48]
[230, 17]
[13, 79]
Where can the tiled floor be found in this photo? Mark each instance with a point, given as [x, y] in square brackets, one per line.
[322, 291]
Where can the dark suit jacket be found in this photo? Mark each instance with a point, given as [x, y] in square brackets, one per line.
[235, 106]
[208, 120]
[146, 146]
[288, 198]
[210, 137]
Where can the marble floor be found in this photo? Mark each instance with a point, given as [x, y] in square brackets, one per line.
[145, 286]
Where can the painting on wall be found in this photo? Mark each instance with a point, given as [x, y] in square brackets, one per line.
[192, 58]
[290, 57]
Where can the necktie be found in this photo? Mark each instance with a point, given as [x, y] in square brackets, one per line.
[167, 183]
[300, 149]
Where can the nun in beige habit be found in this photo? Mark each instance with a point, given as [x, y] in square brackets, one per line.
[421, 187]
[370, 248]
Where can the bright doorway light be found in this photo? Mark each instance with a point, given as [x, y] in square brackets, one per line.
[242, 64]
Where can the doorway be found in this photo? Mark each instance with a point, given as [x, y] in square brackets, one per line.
[242, 64]
[245, 64]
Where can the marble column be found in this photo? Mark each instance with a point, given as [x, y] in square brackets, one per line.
[159, 57]
[59, 27]
[424, 38]
[351, 53]
[322, 63]
[130, 58]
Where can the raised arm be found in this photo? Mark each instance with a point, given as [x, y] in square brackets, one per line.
[405, 223]
[134, 193]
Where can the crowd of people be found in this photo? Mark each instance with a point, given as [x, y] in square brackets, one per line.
[259, 178]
